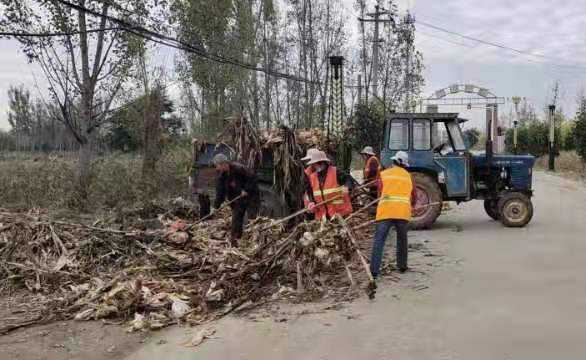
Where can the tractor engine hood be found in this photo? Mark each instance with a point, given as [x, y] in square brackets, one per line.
[479, 159]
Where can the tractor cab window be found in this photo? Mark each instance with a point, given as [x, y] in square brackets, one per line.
[441, 139]
[456, 134]
[399, 134]
[421, 134]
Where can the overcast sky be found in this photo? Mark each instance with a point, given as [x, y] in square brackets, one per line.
[553, 30]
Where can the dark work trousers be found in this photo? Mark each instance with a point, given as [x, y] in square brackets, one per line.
[382, 231]
[204, 205]
[248, 207]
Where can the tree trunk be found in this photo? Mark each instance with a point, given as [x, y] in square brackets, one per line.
[152, 134]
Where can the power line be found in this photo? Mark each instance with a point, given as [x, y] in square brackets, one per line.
[179, 44]
[500, 46]
[54, 34]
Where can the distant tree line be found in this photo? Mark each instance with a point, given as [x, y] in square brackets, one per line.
[533, 133]
[36, 125]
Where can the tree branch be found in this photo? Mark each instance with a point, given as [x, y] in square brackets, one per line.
[100, 45]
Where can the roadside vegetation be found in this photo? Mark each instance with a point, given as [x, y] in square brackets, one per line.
[36, 180]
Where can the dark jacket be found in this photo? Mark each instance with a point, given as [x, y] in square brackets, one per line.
[343, 180]
[230, 184]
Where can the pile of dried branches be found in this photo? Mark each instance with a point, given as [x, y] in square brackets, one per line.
[178, 273]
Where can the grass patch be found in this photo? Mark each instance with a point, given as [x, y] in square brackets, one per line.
[49, 181]
[567, 163]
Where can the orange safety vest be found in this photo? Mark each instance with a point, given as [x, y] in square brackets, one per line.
[395, 200]
[308, 171]
[368, 177]
[331, 189]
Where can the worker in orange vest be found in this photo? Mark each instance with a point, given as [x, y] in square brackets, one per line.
[394, 210]
[327, 183]
[371, 171]
[307, 173]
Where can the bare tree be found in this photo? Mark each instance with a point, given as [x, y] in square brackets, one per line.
[85, 70]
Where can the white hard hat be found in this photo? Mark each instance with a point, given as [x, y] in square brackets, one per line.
[317, 157]
[368, 150]
[309, 154]
[401, 158]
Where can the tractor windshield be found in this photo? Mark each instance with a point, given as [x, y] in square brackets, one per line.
[456, 134]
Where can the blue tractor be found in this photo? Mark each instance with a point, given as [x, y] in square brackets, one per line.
[445, 169]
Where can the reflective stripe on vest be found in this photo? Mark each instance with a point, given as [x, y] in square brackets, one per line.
[388, 198]
[395, 201]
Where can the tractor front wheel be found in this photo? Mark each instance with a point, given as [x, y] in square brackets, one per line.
[428, 201]
[516, 209]
[491, 208]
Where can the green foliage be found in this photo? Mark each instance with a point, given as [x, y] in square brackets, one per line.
[580, 130]
[471, 137]
[532, 138]
[367, 127]
[7, 141]
[568, 141]
[127, 131]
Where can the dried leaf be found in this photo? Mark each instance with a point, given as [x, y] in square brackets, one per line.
[199, 337]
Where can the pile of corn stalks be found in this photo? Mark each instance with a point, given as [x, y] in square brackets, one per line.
[286, 147]
[181, 273]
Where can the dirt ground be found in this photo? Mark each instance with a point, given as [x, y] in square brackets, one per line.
[96, 340]
[70, 340]
[492, 293]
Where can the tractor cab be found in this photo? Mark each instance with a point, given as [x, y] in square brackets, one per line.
[444, 169]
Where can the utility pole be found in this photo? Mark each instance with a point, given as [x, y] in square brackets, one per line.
[408, 20]
[375, 44]
[359, 88]
[516, 101]
[552, 137]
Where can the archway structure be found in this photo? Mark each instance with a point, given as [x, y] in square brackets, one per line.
[476, 95]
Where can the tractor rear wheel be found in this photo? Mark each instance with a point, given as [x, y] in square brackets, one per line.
[491, 208]
[427, 192]
[516, 209]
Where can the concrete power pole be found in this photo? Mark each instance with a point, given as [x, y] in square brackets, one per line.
[375, 44]
[408, 20]
[359, 88]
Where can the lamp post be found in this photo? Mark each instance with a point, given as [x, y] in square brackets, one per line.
[551, 137]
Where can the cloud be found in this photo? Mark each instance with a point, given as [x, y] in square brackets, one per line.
[14, 71]
[549, 29]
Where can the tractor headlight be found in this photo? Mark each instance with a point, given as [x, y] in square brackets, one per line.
[441, 178]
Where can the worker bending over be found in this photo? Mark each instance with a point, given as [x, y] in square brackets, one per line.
[196, 191]
[371, 173]
[306, 174]
[327, 183]
[394, 210]
[235, 180]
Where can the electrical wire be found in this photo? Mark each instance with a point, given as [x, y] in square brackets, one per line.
[55, 34]
[181, 45]
[500, 46]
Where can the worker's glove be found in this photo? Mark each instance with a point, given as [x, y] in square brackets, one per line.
[311, 206]
[212, 211]
[244, 193]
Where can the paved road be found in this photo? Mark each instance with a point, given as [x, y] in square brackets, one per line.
[501, 294]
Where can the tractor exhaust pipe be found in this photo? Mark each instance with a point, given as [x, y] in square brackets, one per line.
[489, 152]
